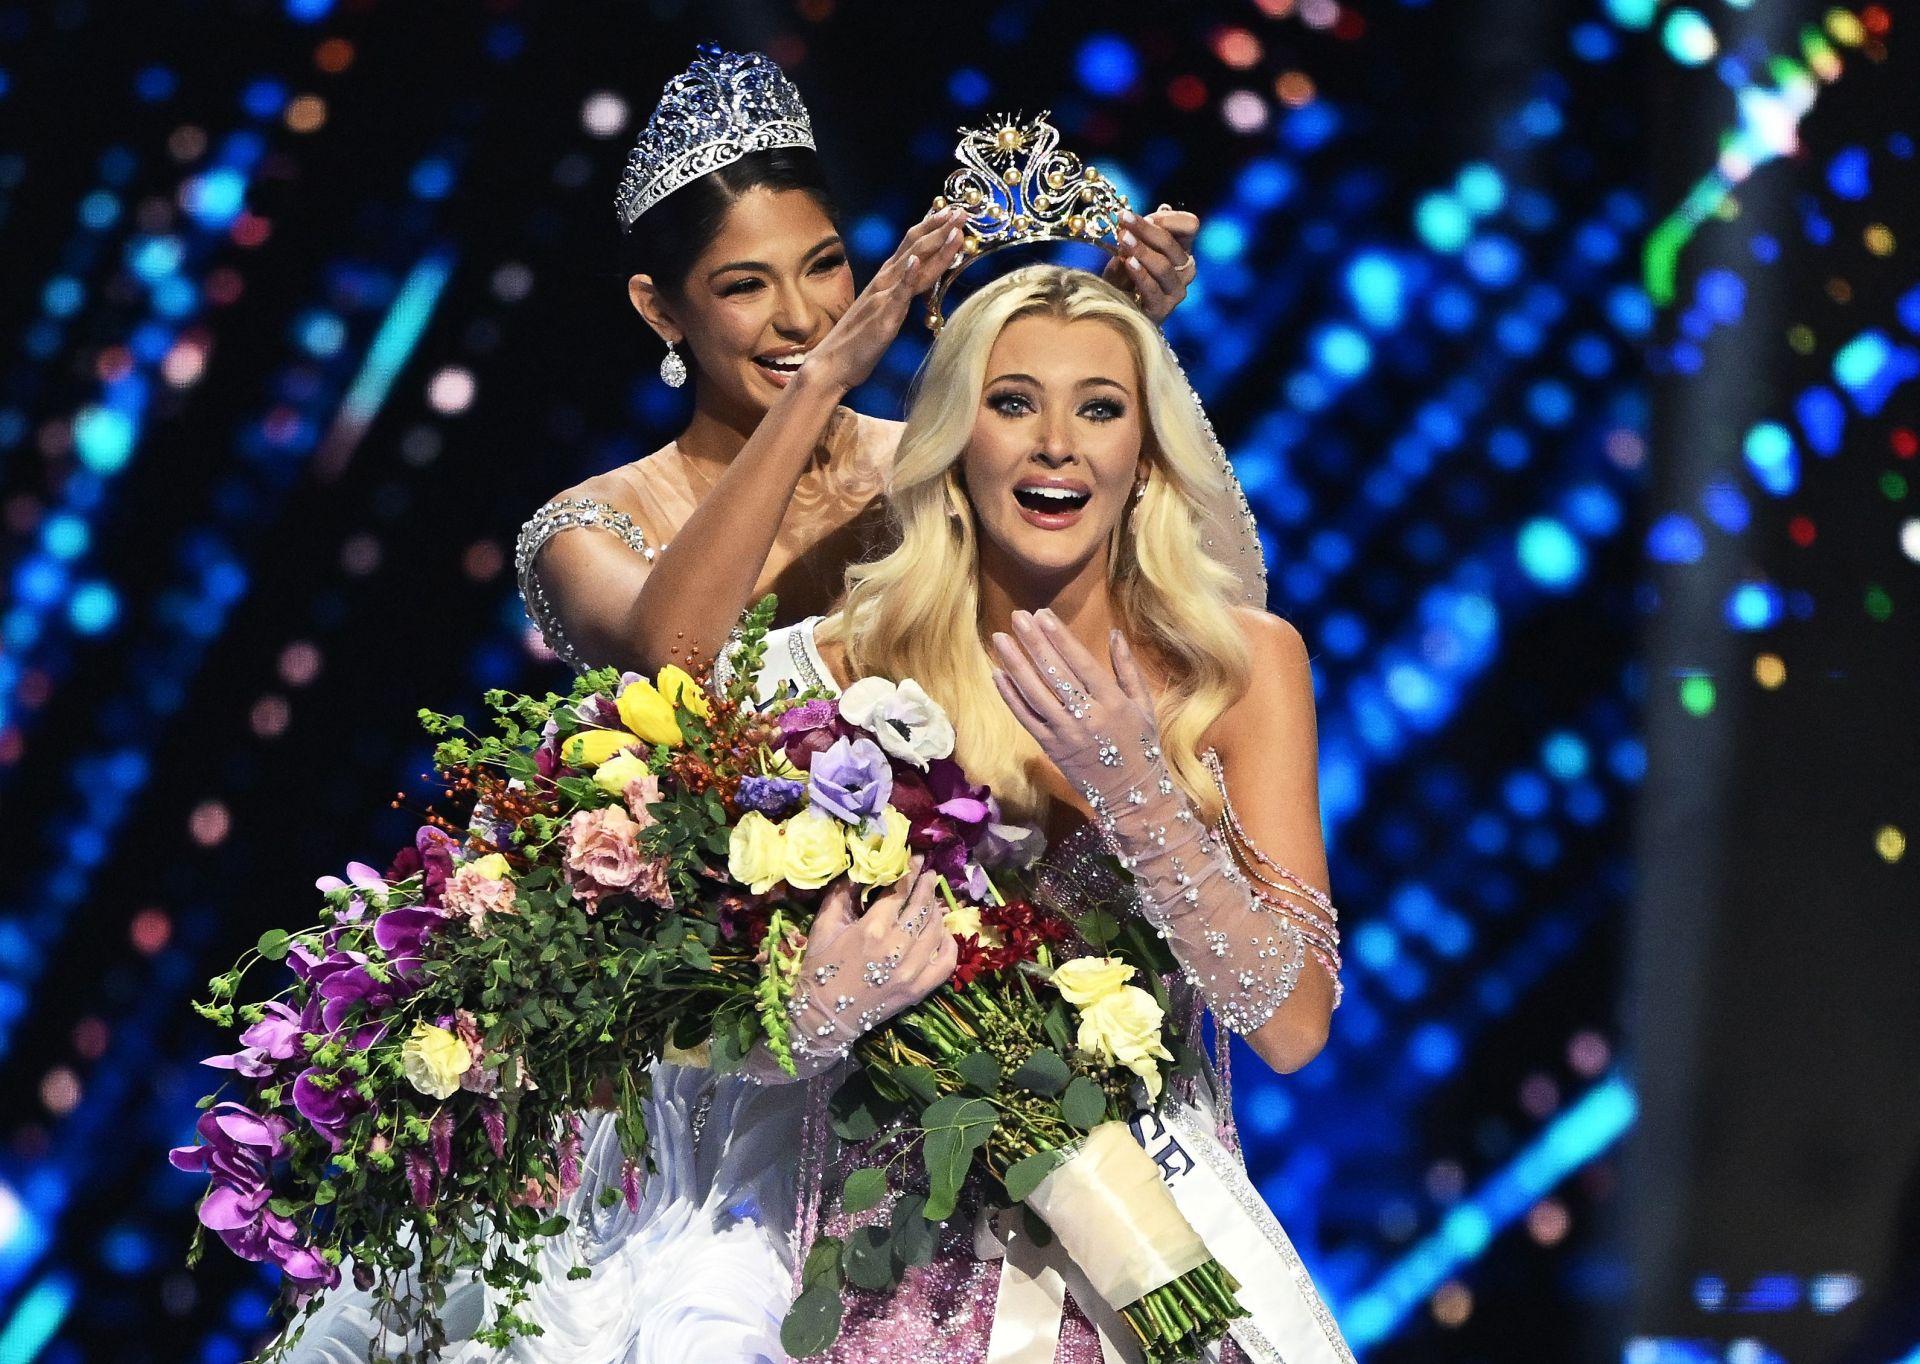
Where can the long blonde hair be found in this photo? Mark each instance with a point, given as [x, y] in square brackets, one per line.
[915, 612]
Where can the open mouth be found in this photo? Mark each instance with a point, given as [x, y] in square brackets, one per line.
[1051, 499]
[783, 367]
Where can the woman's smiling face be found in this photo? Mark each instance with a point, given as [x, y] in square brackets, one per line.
[767, 289]
[1056, 443]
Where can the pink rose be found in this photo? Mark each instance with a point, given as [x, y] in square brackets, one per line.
[640, 793]
[477, 896]
[601, 853]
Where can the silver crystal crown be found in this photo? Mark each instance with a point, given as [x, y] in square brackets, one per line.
[725, 106]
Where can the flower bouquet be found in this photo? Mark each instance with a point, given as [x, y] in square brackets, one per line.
[1031, 1065]
[644, 861]
[636, 882]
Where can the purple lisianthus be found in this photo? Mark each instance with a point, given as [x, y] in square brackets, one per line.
[771, 796]
[851, 781]
[275, 1038]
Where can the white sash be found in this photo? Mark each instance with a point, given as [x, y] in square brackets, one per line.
[1287, 1323]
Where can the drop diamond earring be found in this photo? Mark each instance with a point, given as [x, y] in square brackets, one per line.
[673, 370]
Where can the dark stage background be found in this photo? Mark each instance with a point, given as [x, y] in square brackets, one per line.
[1566, 349]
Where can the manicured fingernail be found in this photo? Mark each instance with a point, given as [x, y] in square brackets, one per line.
[953, 235]
[1133, 264]
[1127, 240]
[1127, 215]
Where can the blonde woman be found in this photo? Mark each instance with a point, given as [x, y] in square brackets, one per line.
[1050, 590]
[735, 261]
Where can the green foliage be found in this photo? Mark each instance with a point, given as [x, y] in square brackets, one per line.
[863, 1189]
[1084, 1105]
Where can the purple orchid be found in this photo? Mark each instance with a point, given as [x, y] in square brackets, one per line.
[327, 1106]
[958, 799]
[236, 1145]
[851, 781]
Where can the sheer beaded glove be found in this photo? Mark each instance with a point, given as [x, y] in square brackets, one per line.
[860, 968]
[1101, 733]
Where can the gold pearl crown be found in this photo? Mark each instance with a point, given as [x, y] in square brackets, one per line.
[1019, 186]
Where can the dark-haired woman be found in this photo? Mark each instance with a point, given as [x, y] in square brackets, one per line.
[773, 486]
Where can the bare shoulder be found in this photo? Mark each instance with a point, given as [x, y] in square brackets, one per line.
[1279, 686]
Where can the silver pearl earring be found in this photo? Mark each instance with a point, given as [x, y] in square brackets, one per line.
[1139, 490]
[673, 370]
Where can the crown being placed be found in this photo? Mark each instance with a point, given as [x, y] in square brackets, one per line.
[1019, 186]
[725, 106]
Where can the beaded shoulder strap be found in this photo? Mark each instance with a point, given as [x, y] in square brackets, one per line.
[1279, 888]
[566, 513]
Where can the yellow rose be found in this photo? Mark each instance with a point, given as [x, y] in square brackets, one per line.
[493, 866]
[1084, 980]
[674, 684]
[613, 775]
[879, 859]
[815, 849]
[964, 919]
[649, 714]
[1123, 1027]
[755, 856]
[592, 747]
[434, 1060]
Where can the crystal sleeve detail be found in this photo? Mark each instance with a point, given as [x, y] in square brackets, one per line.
[1279, 888]
[836, 1002]
[1243, 956]
[566, 513]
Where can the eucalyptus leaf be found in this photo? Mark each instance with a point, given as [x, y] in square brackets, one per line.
[1084, 1105]
[946, 1159]
[857, 1110]
[812, 1324]
[867, 1258]
[823, 1263]
[1098, 927]
[1042, 1073]
[914, 1237]
[1024, 1176]
[863, 1189]
[980, 1071]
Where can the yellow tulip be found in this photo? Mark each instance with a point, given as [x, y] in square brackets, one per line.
[674, 684]
[591, 747]
[649, 714]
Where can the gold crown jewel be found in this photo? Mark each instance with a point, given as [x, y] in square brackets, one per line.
[1018, 185]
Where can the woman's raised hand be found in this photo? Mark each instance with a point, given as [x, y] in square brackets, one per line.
[861, 967]
[1097, 726]
[1156, 259]
[851, 350]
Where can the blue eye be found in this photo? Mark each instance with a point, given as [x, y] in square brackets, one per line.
[1009, 404]
[1103, 410]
